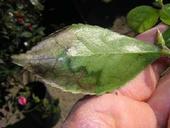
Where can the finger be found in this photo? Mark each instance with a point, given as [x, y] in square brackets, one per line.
[142, 87]
[150, 38]
[169, 122]
[160, 100]
[111, 111]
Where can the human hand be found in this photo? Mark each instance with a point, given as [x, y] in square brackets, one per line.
[138, 104]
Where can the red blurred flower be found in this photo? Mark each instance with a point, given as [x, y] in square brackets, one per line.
[30, 27]
[22, 100]
[20, 20]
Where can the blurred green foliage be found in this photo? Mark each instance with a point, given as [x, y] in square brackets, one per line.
[19, 25]
[20, 29]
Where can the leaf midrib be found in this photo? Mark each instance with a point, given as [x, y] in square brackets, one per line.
[53, 58]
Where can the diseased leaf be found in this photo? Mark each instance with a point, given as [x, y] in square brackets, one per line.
[142, 18]
[88, 59]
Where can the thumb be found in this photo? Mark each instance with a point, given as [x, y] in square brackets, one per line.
[169, 121]
[159, 102]
[147, 79]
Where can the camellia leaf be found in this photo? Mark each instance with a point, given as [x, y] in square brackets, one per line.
[142, 18]
[88, 59]
[166, 36]
[165, 14]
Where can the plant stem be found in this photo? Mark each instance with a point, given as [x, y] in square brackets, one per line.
[165, 51]
[160, 2]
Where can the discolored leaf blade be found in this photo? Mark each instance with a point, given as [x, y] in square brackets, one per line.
[88, 59]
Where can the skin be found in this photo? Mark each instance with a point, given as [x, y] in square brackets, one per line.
[142, 103]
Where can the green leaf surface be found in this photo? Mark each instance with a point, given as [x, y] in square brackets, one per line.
[26, 34]
[165, 14]
[37, 4]
[166, 36]
[88, 59]
[142, 18]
